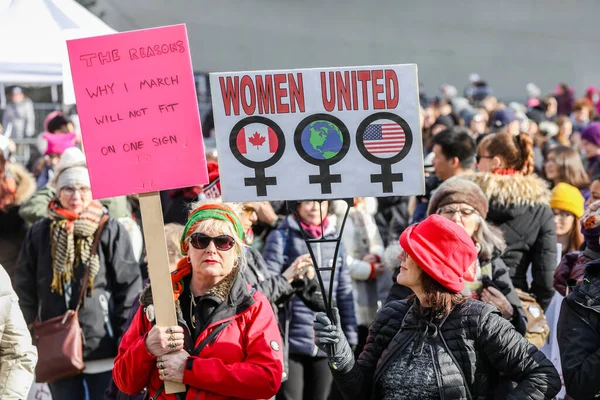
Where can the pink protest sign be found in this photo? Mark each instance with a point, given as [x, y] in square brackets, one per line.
[138, 110]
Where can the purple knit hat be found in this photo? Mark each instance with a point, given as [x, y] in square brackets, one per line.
[592, 133]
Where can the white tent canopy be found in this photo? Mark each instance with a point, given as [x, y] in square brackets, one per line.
[32, 49]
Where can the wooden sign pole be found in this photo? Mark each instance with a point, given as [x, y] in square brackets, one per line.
[158, 268]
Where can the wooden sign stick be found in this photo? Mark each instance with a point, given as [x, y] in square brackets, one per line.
[158, 268]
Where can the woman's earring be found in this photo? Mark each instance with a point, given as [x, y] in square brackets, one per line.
[237, 262]
[189, 260]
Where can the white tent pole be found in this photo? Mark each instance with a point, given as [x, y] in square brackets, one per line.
[2, 96]
[54, 93]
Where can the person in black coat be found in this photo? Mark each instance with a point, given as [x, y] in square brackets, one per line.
[579, 336]
[53, 258]
[463, 202]
[438, 344]
[519, 206]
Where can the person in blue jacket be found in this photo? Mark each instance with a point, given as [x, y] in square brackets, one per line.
[309, 375]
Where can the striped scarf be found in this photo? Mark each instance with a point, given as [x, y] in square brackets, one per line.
[71, 239]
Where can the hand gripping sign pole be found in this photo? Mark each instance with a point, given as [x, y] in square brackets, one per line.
[158, 268]
[327, 294]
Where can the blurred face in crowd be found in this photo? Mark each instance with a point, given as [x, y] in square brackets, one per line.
[444, 167]
[590, 149]
[594, 192]
[566, 126]
[552, 106]
[410, 272]
[478, 124]
[581, 114]
[551, 168]
[564, 221]
[462, 214]
[249, 217]
[310, 211]
[18, 97]
[428, 117]
[52, 160]
[76, 198]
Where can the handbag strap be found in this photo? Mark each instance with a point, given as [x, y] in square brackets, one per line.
[94, 251]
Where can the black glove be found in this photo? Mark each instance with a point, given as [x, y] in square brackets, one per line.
[496, 282]
[309, 291]
[330, 338]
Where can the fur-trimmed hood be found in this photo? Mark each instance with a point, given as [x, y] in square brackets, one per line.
[26, 185]
[511, 190]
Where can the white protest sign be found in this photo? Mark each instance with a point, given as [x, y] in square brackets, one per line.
[323, 133]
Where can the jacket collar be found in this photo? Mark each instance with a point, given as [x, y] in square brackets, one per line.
[511, 190]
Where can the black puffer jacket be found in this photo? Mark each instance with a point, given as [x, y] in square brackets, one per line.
[579, 336]
[519, 205]
[473, 345]
[118, 281]
[519, 319]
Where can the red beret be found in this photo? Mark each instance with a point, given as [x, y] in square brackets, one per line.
[442, 249]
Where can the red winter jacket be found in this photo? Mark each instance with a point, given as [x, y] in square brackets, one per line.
[244, 362]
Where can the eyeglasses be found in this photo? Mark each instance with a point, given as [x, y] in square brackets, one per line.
[201, 241]
[478, 157]
[70, 190]
[449, 212]
[249, 211]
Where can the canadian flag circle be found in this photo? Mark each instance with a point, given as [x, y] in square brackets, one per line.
[257, 142]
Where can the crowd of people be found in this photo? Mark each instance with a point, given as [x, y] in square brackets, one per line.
[442, 295]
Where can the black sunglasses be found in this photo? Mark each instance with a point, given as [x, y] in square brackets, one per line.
[478, 157]
[201, 241]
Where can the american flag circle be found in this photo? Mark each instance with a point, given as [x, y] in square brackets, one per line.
[384, 138]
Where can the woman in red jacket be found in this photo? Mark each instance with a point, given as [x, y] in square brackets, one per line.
[227, 344]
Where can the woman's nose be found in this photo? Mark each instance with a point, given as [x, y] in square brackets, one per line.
[211, 248]
[456, 217]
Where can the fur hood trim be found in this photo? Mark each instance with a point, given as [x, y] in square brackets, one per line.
[26, 185]
[507, 190]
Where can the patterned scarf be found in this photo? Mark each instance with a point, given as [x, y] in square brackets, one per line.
[71, 239]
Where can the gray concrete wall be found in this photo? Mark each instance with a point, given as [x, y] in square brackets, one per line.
[508, 42]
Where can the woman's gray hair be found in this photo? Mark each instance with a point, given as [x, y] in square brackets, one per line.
[489, 238]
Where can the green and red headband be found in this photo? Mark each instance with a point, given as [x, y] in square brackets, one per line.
[209, 211]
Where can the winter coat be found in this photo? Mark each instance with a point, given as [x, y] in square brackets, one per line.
[519, 206]
[519, 320]
[12, 226]
[242, 360]
[37, 206]
[579, 336]
[17, 355]
[283, 246]
[472, 346]
[19, 119]
[360, 238]
[392, 217]
[118, 281]
[572, 267]
[275, 287]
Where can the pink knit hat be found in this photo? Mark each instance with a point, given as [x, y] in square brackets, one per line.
[59, 142]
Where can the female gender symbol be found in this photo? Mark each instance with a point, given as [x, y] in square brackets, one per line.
[257, 143]
[385, 139]
[322, 140]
